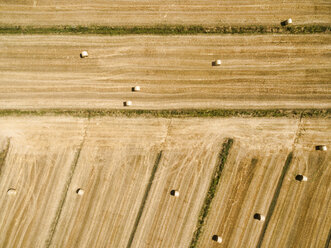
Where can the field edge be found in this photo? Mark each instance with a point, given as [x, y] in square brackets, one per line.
[167, 29]
[178, 113]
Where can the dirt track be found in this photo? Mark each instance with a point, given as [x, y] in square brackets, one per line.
[282, 71]
[149, 12]
[114, 166]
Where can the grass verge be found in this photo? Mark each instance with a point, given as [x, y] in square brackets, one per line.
[167, 29]
[211, 192]
[177, 113]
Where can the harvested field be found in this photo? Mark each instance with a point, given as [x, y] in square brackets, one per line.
[200, 154]
[305, 205]
[188, 160]
[248, 181]
[247, 186]
[147, 12]
[113, 160]
[257, 71]
[114, 168]
[37, 164]
[296, 216]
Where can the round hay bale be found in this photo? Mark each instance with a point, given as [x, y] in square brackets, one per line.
[286, 22]
[216, 62]
[136, 88]
[11, 191]
[83, 54]
[80, 191]
[127, 103]
[259, 217]
[174, 193]
[321, 148]
[217, 238]
[301, 178]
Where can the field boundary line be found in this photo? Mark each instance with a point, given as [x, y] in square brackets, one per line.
[172, 113]
[144, 199]
[327, 243]
[3, 156]
[299, 132]
[211, 191]
[166, 29]
[65, 193]
[275, 198]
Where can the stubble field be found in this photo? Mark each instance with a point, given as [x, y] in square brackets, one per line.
[148, 12]
[128, 166]
[257, 71]
[80, 170]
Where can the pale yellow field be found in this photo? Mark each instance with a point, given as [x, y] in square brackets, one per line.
[188, 160]
[186, 167]
[282, 71]
[105, 182]
[151, 12]
[37, 165]
[302, 216]
[114, 168]
[116, 157]
[247, 186]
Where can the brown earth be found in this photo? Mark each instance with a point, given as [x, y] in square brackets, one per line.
[257, 71]
[148, 12]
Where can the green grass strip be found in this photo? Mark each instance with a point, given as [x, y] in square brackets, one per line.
[211, 192]
[177, 113]
[167, 29]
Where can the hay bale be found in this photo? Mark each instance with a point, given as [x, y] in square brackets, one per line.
[217, 238]
[127, 103]
[11, 191]
[301, 178]
[321, 148]
[136, 88]
[83, 54]
[286, 22]
[259, 217]
[80, 192]
[174, 193]
[216, 62]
